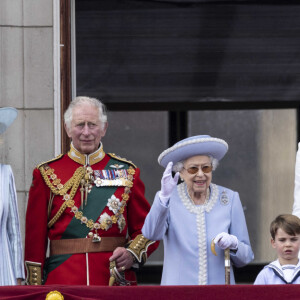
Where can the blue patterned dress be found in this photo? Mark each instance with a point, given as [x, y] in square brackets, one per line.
[11, 251]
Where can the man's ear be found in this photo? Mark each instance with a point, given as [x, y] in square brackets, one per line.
[68, 131]
[273, 243]
[104, 129]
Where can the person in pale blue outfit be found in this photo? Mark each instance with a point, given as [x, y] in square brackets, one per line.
[296, 205]
[11, 250]
[191, 216]
[285, 233]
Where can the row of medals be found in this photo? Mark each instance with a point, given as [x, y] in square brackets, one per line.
[101, 178]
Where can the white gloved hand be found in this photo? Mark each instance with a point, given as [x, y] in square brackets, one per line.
[225, 240]
[168, 183]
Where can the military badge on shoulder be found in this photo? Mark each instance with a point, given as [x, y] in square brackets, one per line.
[116, 166]
[113, 155]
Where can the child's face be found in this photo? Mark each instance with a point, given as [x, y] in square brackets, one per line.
[287, 247]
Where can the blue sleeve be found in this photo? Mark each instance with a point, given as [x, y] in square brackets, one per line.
[244, 253]
[261, 278]
[156, 222]
[13, 230]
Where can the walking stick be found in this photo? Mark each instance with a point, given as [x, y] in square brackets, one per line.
[227, 265]
[227, 261]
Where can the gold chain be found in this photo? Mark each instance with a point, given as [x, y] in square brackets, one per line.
[75, 180]
[56, 187]
[114, 219]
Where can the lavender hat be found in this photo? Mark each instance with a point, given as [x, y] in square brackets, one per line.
[7, 116]
[195, 145]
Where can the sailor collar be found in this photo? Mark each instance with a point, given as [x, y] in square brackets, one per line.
[86, 159]
[279, 270]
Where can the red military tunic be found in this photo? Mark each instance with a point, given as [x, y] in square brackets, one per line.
[116, 207]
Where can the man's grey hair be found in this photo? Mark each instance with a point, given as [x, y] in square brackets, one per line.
[179, 165]
[81, 100]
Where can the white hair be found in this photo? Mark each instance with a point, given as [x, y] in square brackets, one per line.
[81, 100]
[179, 165]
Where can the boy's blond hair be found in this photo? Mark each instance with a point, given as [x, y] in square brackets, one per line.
[287, 222]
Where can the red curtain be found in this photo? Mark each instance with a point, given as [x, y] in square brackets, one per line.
[215, 292]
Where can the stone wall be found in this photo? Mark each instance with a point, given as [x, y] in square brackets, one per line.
[26, 83]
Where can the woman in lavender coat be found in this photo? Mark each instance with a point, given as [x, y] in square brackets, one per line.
[192, 214]
[11, 251]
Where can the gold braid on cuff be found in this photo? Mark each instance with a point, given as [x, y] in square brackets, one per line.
[138, 248]
[34, 273]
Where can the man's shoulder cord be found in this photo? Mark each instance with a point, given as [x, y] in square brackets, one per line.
[57, 188]
[113, 155]
[50, 203]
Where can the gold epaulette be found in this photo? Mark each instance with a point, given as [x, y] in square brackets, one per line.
[51, 160]
[113, 155]
[138, 247]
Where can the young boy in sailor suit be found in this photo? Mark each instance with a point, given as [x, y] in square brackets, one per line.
[285, 233]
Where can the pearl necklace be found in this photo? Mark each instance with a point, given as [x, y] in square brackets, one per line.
[211, 198]
[206, 197]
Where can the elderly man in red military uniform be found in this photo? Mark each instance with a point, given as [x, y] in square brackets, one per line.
[90, 205]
